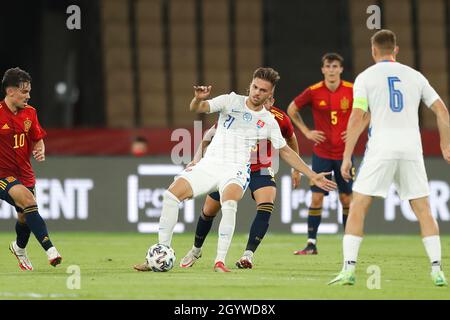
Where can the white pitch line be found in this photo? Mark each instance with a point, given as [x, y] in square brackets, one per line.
[38, 295]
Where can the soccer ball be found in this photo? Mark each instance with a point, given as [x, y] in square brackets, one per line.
[160, 258]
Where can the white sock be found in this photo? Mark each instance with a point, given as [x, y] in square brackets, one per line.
[313, 241]
[196, 250]
[169, 217]
[248, 253]
[226, 229]
[350, 245]
[433, 248]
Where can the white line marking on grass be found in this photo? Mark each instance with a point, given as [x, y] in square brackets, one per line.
[37, 295]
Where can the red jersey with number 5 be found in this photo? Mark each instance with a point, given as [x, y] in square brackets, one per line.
[18, 133]
[331, 111]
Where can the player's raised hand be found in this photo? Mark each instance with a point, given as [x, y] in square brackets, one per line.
[446, 153]
[322, 182]
[39, 154]
[316, 136]
[296, 177]
[346, 167]
[202, 92]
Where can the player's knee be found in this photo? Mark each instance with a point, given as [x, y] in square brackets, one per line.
[229, 206]
[170, 199]
[209, 211]
[317, 200]
[27, 201]
[345, 200]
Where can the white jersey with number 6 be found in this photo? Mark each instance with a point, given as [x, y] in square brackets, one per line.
[392, 92]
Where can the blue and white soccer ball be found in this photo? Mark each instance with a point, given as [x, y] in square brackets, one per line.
[160, 258]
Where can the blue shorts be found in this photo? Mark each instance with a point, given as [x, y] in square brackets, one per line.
[6, 184]
[258, 179]
[328, 165]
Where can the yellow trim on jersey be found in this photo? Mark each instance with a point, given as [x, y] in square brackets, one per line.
[360, 103]
[316, 86]
[3, 185]
[277, 114]
[347, 84]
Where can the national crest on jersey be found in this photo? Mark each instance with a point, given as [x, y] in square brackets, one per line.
[345, 104]
[27, 125]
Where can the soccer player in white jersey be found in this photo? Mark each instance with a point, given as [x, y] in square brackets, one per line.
[391, 92]
[243, 121]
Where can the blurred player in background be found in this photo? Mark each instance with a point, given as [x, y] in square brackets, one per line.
[243, 121]
[20, 137]
[391, 92]
[331, 102]
[139, 146]
[262, 186]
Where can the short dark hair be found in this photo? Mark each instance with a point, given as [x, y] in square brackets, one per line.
[140, 139]
[333, 56]
[385, 40]
[267, 74]
[13, 78]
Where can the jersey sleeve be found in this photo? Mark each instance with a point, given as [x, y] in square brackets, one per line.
[360, 94]
[287, 129]
[303, 99]
[276, 137]
[36, 131]
[218, 103]
[428, 95]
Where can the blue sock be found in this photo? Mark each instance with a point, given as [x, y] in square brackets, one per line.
[203, 226]
[314, 218]
[259, 226]
[23, 234]
[37, 226]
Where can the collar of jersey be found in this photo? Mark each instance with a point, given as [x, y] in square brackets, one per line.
[250, 110]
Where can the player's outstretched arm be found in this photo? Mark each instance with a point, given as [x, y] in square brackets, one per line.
[443, 123]
[294, 160]
[198, 104]
[39, 150]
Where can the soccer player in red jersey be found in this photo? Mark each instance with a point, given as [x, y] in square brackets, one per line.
[331, 101]
[262, 185]
[20, 137]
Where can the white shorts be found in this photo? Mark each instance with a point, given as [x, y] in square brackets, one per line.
[206, 177]
[375, 177]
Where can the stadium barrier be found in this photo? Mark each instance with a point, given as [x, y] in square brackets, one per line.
[125, 194]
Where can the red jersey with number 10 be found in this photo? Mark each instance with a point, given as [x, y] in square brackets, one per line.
[18, 132]
[331, 111]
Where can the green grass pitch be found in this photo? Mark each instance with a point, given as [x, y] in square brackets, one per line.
[105, 261]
